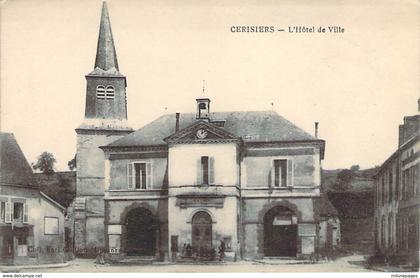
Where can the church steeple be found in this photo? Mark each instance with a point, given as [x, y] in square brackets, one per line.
[105, 93]
[106, 57]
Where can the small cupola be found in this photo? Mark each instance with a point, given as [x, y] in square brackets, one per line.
[203, 108]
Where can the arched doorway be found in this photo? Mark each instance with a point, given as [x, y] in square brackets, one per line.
[201, 231]
[280, 233]
[141, 227]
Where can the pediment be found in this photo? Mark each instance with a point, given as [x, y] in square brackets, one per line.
[201, 132]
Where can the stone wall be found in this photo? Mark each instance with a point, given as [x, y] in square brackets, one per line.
[89, 204]
[118, 174]
[253, 212]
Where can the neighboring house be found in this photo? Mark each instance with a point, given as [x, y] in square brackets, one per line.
[61, 187]
[183, 184]
[397, 202]
[329, 226]
[31, 223]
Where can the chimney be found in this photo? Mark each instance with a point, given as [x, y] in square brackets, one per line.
[176, 122]
[316, 129]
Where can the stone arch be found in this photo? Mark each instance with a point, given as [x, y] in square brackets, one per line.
[283, 203]
[135, 205]
[280, 232]
[194, 212]
[154, 221]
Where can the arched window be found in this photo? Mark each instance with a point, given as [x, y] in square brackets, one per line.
[110, 92]
[100, 91]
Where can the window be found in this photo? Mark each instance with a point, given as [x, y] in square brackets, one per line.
[18, 212]
[390, 237]
[390, 187]
[282, 172]
[50, 225]
[205, 170]
[21, 239]
[100, 92]
[2, 212]
[383, 190]
[110, 92]
[139, 175]
[405, 184]
[383, 232]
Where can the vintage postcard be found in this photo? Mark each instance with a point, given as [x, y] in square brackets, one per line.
[217, 136]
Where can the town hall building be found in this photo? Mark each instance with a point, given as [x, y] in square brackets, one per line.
[184, 183]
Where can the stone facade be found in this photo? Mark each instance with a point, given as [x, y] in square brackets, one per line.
[237, 197]
[397, 196]
[105, 122]
[31, 223]
[190, 185]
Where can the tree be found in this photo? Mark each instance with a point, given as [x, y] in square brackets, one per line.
[355, 168]
[45, 163]
[344, 179]
[72, 163]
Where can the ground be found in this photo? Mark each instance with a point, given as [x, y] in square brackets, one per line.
[353, 263]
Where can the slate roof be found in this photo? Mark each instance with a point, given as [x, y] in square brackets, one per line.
[326, 207]
[14, 168]
[106, 62]
[252, 126]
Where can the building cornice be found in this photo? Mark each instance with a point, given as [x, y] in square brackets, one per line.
[131, 149]
[103, 131]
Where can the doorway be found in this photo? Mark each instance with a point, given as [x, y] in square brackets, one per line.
[201, 231]
[141, 227]
[280, 233]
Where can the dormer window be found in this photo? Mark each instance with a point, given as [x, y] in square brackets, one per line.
[100, 92]
[105, 93]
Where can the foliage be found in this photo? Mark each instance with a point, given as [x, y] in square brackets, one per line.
[355, 168]
[45, 163]
[344, 179]
[72, 164]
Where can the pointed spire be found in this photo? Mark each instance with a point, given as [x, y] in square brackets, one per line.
[106, 57]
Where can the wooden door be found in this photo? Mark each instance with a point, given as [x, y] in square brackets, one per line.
[201, 231]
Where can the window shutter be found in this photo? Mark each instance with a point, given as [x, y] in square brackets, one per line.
[25, 213]
[271, 175]
[199, 174]
[289, 172]
[130, 175]
[9, 212]
[211, 170]
[148, 175]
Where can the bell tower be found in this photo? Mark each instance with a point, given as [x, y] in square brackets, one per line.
[203, 108]
[105, 121]
[105, 94]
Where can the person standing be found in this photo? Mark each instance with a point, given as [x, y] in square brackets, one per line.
[222, 249]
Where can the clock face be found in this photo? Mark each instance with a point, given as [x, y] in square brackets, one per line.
[201, 134]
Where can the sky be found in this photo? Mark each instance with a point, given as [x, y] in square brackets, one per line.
[358, 84]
